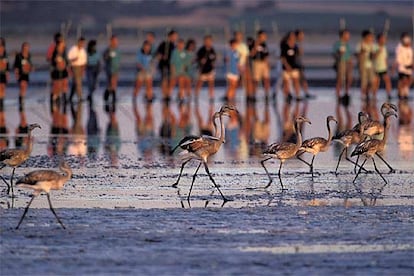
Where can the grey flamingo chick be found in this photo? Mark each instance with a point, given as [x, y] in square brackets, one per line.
[201, 148]
[316, 145]
[373, 127]
[45, 181]
[373, 147]
[283, 151]
[15, 157]
[350, 137]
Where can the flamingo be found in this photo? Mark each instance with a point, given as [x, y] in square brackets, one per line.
[15, 157]
[373, 147]
[283, 151]
[201, 148]
[316, 145]
[44, 181]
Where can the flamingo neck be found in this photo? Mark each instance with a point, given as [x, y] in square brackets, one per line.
[29, 147]
[329, 132]
[298, 135]
[222, 132]
[386, 128]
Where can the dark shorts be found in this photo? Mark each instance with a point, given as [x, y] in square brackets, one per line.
[381, 74]
[23, 77]
[59, 75]
[165, 72]
[3, 78]
[402, 76]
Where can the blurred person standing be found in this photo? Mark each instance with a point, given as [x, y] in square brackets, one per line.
[93, 67]
[22, 68]
[300, 36]
[180, 64]
[232, 60]
[112, 60]
[381, 65]
[343, 65]
[59, 73]
[260, 58]
[163, 55]
[206, 58]
[404, 63]
[78, 58]
[365, 53]
[245, 71]
[4, 71]
[144, 71]
[291, 70]
[57, 37]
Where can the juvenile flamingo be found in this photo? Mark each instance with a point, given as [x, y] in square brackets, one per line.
[283, 151]
[350, 137]
[373, 147]
[372, 127]
[316, 145]
[15, 157]
[201, 148]
[45, 181]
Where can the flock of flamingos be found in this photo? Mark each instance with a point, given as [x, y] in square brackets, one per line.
[364, 135]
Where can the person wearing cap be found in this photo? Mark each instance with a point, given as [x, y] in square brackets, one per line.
[78, 58]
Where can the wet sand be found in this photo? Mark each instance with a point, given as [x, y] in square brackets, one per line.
[124, 217]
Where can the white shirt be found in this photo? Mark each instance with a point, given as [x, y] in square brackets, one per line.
[76, 56]
[243, 51]
[404, 57]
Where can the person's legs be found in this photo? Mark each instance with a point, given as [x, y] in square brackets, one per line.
[388, 86]
[181, 87]
[148, 90]
[137, 87]
[296, 83]
[211, 87]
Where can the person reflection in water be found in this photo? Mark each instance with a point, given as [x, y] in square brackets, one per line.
[288, 131]
[145, 130]
[4, 132]
[77, 144]
[22, 129]
[93, 133]
[167, 129]
[205, 125]
[112, 139]
[59, 130]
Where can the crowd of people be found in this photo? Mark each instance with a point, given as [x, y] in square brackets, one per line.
[181, 65]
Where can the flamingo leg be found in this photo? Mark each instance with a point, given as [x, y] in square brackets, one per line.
[356, 164]
[311, 166]
[359, 171]
[350, 160]
[376, 169]
[280, 177]
[192, 183]
[53, 211]
[11, 181]
[339, 160]
[385, 162]
[7, 183]
[179, 176]
[267, 172]
[303, 160]
[25, 212]
[212, 180]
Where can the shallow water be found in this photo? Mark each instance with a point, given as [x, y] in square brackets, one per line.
[124, 217]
